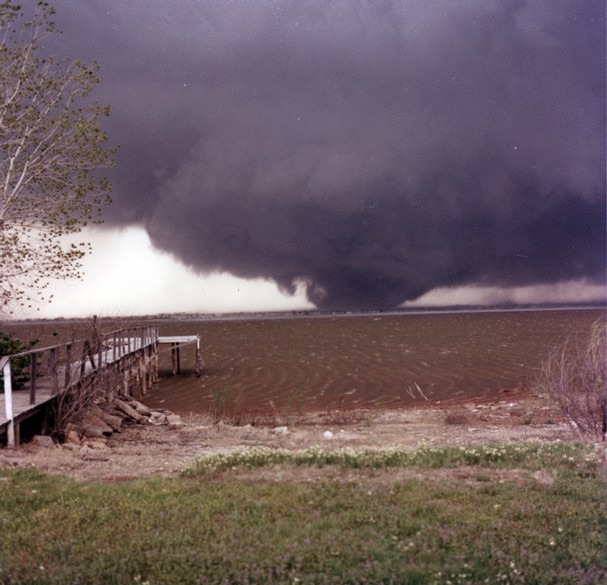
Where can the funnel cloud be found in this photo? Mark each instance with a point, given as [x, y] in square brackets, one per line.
[370, 151]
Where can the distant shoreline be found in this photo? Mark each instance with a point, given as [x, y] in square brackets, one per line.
[244, 316]
[344, 314]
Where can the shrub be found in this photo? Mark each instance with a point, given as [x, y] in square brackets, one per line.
[574, 376]
[20, 373]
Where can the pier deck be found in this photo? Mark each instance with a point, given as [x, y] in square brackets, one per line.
[129, 355]
[177, 342]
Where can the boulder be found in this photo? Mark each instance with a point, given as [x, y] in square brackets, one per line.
[43, 441]
[71, 437]
[97, 445]
[140, 407]
[174, 421]
[158, 418]
[113, 421]
[93, 426]
[173, 418]
[72, 427]
[129, 411]
[92, 432]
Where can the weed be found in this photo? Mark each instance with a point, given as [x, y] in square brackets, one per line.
[531, 455]
[575, 376]
[218, 403]
[457, 418]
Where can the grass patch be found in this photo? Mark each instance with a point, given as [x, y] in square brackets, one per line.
[204, 527]
[531, 455]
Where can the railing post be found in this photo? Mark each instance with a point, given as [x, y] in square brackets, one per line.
[127, 342]
[199, 362]
[8, 401]
[83, 360]
[53, 359]
[33, 379]
[68, 365]
[174, 358]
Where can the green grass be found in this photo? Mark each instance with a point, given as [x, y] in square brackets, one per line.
[530, 455]
[210, 526]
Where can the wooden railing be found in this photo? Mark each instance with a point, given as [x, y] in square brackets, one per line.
[48, 371]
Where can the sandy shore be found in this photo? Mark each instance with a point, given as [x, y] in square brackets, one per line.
[148, 451]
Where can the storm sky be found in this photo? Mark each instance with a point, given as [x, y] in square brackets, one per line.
[365, 151]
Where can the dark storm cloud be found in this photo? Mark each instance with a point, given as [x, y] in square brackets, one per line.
[372, 149]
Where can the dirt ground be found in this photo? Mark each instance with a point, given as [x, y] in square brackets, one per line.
[143, 451]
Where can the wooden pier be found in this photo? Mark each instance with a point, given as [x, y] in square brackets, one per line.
[176, 343]
[123, 362]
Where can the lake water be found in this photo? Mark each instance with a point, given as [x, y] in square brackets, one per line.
[319, 363]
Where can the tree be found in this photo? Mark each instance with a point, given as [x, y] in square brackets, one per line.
[20, 365]
[52, 147]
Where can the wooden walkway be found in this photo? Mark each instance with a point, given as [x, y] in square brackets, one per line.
[119, 360]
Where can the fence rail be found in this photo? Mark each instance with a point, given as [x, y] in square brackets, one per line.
[38, 375]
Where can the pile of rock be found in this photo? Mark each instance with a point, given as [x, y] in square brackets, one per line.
[101, 421]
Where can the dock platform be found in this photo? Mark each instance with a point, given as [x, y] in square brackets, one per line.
[119, 361]
[32, 379]
[177, 342]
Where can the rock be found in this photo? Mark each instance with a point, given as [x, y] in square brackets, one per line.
[99, 422]
[71, 446]
[280, 431]
[89, 454]
[71, 437]
[327, 435]
[92, 432]
[112, 410]
[158, 418]
[72, 427]
[140, 407]
[174, 421]
[97, 445]
[43, 441]
[93, 426]
[114, 422]
[130, 411]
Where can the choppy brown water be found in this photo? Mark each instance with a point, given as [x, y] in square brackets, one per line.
[342, 362]
[350, 361]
